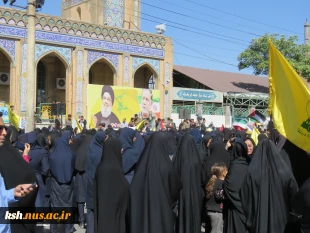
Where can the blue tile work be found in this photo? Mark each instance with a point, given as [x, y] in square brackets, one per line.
[43, 49]
[74, 41]
[138, 61]
[79, 83]
[23, 79]
[9, 47]
[114, 13]
[95, 55]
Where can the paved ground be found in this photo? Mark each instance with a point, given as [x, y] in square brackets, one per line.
[41, 229]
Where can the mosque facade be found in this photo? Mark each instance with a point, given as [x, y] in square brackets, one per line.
[93, 42]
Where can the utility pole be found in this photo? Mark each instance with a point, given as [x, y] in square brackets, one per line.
[31, 89]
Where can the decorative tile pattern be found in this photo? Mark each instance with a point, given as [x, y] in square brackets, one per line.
[79, 83]
[126, 71]
[114, 13]
[9, 47]
[69, 3]
[139, 61]
[42, 49]
[23, 79]
[93, 56]
[167, 78]
[56, 38]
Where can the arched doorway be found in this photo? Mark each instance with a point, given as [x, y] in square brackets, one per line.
[4, 77]
[101, 73]
[145, 77]
[51, 79]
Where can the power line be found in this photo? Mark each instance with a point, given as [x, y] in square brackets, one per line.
[183, 29]
[191, 17]
[203, 13]
[205, 45]
[208, 58]
[213, 59]
[241, 17]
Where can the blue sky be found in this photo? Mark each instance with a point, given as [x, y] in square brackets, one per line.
[282, 14]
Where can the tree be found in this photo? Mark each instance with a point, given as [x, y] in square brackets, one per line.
[256, 55]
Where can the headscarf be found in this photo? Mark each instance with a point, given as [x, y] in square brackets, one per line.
[254, 145]
[130, 153]
[197, 136]
[188, 166]
[240, 149]
[12, 134]
[155, 188]
[261, 137]
[41, 140]
[110, 204]
[267, 190]
[62, 159]
[139, 143]
[234, 215]
[218, 154]
[94, 153]
[81, 154]
[15, 171]
[227, 132]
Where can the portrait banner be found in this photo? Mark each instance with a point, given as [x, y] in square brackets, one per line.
[111, 104]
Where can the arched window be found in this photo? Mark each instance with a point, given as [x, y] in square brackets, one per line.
[151, 83]
[41, 81]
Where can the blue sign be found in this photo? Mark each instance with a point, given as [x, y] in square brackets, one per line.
[197, 95]
[5, 112]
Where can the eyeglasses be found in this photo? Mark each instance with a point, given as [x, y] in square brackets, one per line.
[3, 127]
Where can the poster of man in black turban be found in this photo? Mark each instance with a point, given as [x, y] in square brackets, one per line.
[105, 115]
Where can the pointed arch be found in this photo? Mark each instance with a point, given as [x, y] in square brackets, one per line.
[110, 64]
[56, 54]
[148, 65]
[96, 76]
[8, 54]
[145, 76]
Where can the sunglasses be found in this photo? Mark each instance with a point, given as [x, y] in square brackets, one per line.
[3, 127]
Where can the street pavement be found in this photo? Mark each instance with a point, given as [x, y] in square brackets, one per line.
[41, 229]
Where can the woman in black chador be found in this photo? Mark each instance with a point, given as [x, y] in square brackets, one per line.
[111, 190]
[155, 188]
[267, 191]
[188, 166]
[234, 218]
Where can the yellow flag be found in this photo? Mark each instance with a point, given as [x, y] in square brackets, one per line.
[13, 118]
[140, 125]
[78, 125]
[92, 123]
[255, 134]
[289, 100]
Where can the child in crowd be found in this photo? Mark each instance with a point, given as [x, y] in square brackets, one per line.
[214, 206]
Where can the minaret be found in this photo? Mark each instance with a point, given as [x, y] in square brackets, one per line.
[306, 32]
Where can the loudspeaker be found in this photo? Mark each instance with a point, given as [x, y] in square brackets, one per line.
[187, 114]
[181, 113]
[61, 109]
[54, 109]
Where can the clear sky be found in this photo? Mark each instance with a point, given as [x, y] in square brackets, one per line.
[219, 37]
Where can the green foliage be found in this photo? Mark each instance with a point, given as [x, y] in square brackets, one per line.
[256, 56]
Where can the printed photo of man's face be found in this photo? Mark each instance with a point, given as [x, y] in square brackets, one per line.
[106, 107]
[146, 102]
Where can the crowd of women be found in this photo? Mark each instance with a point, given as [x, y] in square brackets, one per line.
[170, 182]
